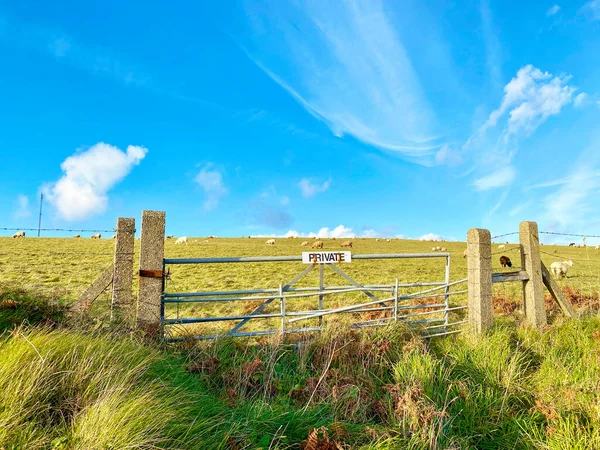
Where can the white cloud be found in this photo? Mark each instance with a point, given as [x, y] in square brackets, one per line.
[346, 65]
[499, 178]
[591, 10]
[517, 209]
[284, 201]
[211, 181]
[309, 189]
[552, 10]
[22, 209]
[370, 234]
[88, 176]
[581, 100]
[338, 232]
[431, 237]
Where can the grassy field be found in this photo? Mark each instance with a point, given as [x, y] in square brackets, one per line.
[63, 268]
[82, 382]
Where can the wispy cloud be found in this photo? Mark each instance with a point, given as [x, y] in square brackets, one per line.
[493, 49]
[22, 209]
[310, 189]
[591, 10]
[499, 178]
[211, 181]
[552, 10]
[521, 207]
[345, 64]
[82, 191]
[575, 203]
[431, 237]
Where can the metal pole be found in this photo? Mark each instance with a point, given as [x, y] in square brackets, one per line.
[396, 301]
[447, 291]
[321, 285]
[282, 300]
[40, 217]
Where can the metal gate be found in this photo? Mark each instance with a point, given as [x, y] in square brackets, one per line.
[386, 300]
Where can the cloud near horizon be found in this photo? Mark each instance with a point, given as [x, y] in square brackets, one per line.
[22, 207]
[211, 182]
[88, 176]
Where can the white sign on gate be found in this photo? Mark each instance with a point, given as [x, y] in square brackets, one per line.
[326, 257]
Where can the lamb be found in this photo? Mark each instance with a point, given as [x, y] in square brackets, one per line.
[96, 236]
[181, 240]
[318, 244]
[347, 244]
[77, 236]
[19, 234]
[271, 242]
[304, 244]
[560, 268]
[505, 261]
[501, 247]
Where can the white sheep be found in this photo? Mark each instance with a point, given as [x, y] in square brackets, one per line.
[19, 234]
[560, 268]
[96, 236]
[271, 242]
[181, 240]
[501, 247]
[304, 244]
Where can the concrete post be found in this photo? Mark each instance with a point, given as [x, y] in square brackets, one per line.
[122, 294]
[479, 272]
[152, 251]
[533, 289]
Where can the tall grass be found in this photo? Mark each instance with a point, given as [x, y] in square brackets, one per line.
[377, 389]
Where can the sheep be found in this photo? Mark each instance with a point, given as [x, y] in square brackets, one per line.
[597, 247]
[505, 261]
[572, 244]
[318, 244]
[347, 244]
[19, 234]
[560, 268]
[291, 237]
[388, 240]
[206, 241]
[501, 247]
[304, 244]
[169, 237]
[465, 253]
[181, 240]
[271, 242]
[77, 236]
[96, 236]
[434, 249]
[443, 249]
[114, 236]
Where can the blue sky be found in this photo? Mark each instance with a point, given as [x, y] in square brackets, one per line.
[373, 117]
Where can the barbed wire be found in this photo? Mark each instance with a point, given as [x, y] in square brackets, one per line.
[113, 230]
[570, 234]
[506, 234]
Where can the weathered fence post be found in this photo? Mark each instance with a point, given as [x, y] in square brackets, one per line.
[479, 273]
[122, 288]
[152, 250]
[533, 288]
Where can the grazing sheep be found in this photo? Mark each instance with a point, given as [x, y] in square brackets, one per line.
[560, 268]
[181, 240]
[347, 244]
[501, 247]
[505, 261]
[114, 236]
[206, 241]
[77, 236]
[388, 240]
[96, 236]
[572, 244]
[271, 242]
[291, 237]
[465, 253]
[304, 244]
[19, 234]
[443, 249]
[597, 247]
[169, 237]
[318, 244]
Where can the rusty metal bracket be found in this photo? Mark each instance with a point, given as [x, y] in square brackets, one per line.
[151, 273]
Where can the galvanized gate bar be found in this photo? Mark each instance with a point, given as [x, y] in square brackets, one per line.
[267, 302]
[248, 259]
[343, 275]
